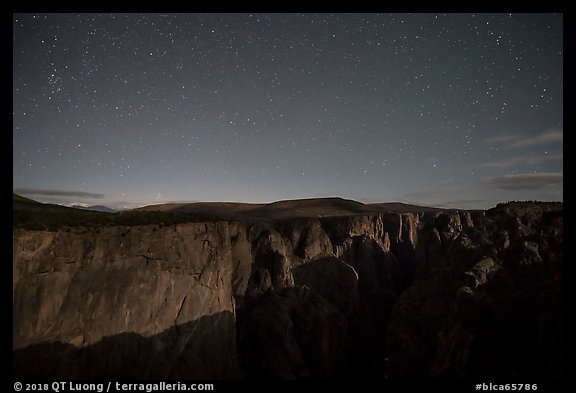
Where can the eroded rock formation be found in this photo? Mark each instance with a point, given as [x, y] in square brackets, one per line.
[454, 294]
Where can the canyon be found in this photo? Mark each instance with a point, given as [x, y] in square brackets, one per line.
[376, 292]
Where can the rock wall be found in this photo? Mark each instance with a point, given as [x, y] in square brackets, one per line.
[121, 301]
[457, 294]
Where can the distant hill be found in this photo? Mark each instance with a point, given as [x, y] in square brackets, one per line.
[95, 208]
[21, 203]
[31, 214]
[399, 207]
[314, 207]
[20, 199]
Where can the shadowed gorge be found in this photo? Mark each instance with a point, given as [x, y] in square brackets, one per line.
[325, 294]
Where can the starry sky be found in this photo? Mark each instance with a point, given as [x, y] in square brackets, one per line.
[446, 110]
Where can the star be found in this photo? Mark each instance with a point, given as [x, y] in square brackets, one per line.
[200, 104]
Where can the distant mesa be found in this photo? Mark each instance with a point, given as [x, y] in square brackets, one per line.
[296, 208]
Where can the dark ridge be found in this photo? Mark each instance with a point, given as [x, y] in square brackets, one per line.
[20, 199]
[290, 209]
[32, 215]
[399, 207]
[334, 202]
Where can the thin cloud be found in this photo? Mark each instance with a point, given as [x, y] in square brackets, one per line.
[521, 160]
[519, 141]
[527, 181]
[502, 139]
[64, 193]
[543, 139]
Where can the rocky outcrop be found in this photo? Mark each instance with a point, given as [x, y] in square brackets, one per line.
[454, 294]
[475, 307]
[339, 283]
[155, 287]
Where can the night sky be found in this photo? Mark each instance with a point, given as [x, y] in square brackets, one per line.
[447, 110]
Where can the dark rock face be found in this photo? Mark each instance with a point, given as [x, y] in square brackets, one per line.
[426, 295]
[476, 309]
[339, 283]
[292, 334]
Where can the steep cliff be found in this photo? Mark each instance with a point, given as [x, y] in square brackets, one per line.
[89, 304]
[428, 294]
